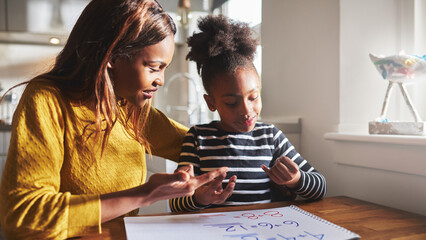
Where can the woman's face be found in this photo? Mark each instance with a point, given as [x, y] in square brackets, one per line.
[137, 79]
[237, 99]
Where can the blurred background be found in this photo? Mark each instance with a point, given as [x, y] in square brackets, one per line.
[318, 83]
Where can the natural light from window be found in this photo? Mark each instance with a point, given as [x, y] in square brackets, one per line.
[249, 11]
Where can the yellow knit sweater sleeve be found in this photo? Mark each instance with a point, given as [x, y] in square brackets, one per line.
[31, 204]
[165, 135]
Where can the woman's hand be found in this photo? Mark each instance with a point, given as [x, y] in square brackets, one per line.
[181, 183]
[284, 172]
[213, 193]
[159, 186]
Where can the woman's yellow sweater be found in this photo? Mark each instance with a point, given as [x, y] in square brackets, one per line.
[52, 179]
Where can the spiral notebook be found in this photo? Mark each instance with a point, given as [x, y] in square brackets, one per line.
[284, 223]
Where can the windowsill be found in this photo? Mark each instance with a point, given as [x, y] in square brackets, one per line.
[395, 153]
[375, 138]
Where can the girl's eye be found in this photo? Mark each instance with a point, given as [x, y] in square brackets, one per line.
[154, 69]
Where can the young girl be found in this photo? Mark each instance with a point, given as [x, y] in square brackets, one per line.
[81, 130]
[259, 157]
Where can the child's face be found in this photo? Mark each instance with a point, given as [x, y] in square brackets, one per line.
[237, 100]
[137, 79]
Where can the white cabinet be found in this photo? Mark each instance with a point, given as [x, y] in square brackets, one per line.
[38, 21]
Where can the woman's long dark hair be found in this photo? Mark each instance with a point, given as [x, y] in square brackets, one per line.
[106, 30]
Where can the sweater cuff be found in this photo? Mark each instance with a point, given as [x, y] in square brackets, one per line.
[197, 205]
[300, 184]
[84, 214]
[186, 203]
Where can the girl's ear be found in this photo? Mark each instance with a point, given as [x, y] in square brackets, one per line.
[210, 102]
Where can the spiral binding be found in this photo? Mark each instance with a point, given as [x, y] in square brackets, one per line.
[296, 208]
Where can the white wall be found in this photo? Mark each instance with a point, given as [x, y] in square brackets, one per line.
[313, 53]
[300, 74]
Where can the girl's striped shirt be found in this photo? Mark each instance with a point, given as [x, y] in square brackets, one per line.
[207, 148]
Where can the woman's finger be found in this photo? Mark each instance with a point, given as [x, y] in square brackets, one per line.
[186, 168]
[179, 176]
[208, 177]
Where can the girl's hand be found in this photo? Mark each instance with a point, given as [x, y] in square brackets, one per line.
[284, 172]
[213, 193]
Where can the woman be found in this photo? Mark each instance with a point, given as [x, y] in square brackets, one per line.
[81, 130]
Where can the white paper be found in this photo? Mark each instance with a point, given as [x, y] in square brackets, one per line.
[285, 223]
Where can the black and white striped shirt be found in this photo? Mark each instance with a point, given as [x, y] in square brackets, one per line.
[207, 148]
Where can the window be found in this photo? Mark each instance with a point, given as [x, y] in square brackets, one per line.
[386, 28]
[249, 11]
